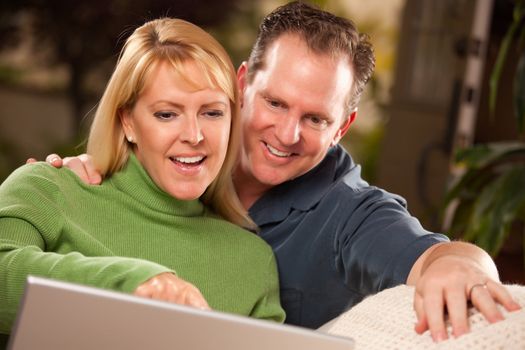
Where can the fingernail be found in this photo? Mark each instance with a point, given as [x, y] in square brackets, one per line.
[439, 337]
[418, 329]
[460, 332]
[95, 180]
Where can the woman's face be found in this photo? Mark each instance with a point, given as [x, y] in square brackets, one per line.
[180, 132]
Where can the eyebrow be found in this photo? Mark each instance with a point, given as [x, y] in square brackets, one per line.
[181, 106]
[215, 103]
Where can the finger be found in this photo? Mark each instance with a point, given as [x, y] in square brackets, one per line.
[435, 314]
[54, 160]
[159, 288]
[421, 325]
[31, 160]
[170, 288]
[456, 301]
[142, 291]
[502, 295]
[92, 173]
[74, 164]
[482, 299]
[153, 289]
[196, 299]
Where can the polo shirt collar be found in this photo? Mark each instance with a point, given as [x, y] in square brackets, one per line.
[301, 193]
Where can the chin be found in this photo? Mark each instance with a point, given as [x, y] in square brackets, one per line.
[187, 195]
[270, 179]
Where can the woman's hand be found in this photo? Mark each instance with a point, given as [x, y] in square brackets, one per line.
[168, 287]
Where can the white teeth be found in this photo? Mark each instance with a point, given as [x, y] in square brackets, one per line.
[189, 160]
[276, 152]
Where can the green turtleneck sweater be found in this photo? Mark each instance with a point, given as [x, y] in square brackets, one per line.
[118, 235]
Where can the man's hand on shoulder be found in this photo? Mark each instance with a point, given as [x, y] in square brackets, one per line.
[447, 277]
[81, 165]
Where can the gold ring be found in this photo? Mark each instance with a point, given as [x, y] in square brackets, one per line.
[484, 285]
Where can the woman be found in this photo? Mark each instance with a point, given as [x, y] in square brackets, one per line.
[165, 137]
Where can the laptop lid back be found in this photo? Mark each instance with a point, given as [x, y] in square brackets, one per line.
[59, 315]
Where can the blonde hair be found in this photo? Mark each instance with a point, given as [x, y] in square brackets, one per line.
[174, 41]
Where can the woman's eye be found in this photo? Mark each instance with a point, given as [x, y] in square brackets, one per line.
[214, 113]
[165, 115]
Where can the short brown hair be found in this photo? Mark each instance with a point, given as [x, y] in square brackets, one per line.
[323, 33]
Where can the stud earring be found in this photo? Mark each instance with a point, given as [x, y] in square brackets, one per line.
[130, 139]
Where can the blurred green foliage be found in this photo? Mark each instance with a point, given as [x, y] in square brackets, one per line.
[489, 195]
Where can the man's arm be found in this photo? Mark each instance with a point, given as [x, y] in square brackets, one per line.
[450, 275]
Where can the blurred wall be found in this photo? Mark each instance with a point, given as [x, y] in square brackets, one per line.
[31, 123]
[416, 150]
[33, 91]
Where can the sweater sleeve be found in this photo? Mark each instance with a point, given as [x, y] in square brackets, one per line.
[269, 306]
[30, 230]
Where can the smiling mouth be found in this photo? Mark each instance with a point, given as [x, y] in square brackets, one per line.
[278, 153]
[188, 161]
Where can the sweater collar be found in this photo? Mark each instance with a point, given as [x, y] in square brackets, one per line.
[134, 181]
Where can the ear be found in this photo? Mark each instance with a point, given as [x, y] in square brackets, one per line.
[127, 123]
[344, 128]
[242, 73]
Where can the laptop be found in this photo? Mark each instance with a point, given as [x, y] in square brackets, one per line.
[59, 315]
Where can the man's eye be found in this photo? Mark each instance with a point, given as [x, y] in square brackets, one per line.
[164, 115]
[317, 122]
[274, 103]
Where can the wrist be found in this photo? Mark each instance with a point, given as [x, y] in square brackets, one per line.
[464, 252]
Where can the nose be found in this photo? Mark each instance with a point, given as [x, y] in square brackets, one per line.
[191, 131]
[288, 130]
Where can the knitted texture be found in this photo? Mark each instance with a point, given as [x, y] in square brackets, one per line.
[118, 235]
[386, 321]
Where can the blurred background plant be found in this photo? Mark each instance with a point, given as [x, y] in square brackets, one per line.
[489, 197]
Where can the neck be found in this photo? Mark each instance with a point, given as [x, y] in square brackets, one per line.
[248, 188]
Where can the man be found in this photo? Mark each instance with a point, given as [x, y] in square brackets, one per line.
[336, 238]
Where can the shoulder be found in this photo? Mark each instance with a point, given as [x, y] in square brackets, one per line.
[30, 187]
[40, 177]
[350, 191]
[32, 173]
[238, 237]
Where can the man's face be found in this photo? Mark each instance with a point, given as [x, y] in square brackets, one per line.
[292, 111]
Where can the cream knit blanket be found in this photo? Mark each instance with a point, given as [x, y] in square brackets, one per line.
[386, 321]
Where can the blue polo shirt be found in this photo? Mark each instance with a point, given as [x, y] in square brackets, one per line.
[337, 239]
